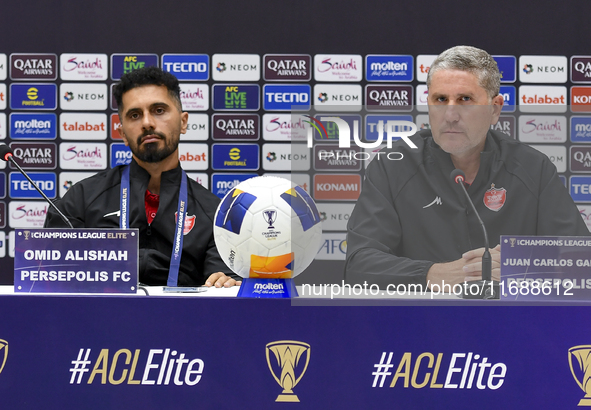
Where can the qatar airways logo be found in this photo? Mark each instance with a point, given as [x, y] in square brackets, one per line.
[194, 97]
[338, 67]
[83, 156]
[83, 67]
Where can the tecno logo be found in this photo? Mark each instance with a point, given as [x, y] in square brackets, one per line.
[337, 187]
[580, 98]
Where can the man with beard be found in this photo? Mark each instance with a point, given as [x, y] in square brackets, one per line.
[155, 189]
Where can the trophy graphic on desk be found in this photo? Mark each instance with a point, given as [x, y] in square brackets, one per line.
[287, 357]
[581, 370]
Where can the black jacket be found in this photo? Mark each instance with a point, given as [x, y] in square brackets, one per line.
[94, 203]
[410, 213]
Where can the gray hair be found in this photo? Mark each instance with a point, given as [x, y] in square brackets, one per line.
[473, 60]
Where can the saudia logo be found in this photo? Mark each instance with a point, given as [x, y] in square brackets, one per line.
[579, 360]
[288, 361]
[3, 353]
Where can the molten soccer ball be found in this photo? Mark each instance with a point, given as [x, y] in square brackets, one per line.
[267, 227]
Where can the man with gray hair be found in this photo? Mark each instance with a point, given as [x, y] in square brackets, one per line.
[412, 224]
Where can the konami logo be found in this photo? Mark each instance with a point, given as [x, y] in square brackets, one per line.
[580, 99]
[542, 98]
[337, 187]
[115, 125]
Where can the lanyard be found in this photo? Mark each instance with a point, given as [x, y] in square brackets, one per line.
[177, 248]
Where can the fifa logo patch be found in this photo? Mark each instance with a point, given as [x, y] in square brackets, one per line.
[495, 198]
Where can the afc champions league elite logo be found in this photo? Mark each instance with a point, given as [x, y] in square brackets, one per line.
[270, 216]
[581, 370]
[287, 360]
[494, 198]
[3, 353]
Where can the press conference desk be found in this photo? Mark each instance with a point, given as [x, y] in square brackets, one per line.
[213, 350]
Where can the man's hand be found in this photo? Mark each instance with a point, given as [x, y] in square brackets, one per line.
[219, 279]
[468, 268]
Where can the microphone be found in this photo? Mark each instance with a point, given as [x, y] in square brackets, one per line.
[459, 177]
[7, 155]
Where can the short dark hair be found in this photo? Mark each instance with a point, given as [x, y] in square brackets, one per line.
[147, 76]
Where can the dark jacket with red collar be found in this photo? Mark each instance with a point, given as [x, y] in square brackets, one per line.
[95, 202]
[410, 213]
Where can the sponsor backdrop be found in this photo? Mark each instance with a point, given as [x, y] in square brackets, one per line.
[243, 69]
[348, 357]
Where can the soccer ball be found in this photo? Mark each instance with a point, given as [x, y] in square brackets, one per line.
[267, 227]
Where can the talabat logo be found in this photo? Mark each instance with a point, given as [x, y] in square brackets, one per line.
[580, 188]
[507, 67]
[542, 128]
[33, 96]
[424, 61]
[187, 67]
[543, 69]
[389, 97]
[580, 99]
[33, 126]
[21, 188]
[235, 157]
[393, 129]
[193, 156]
[338, 67]
[197, 128]
[337, 97]
[27, 214]
[236, 97]
[29, 155]
[83, 126]
[580, 158]
[235, 127]
[284, 127]
[329, 157]
[279, 97]
[86, 156]
[464, 371]
[287, 67]
[126, 63]
[194, 97]
[505, 124]
[120, 155]
[33, 66]
[556, 154]
[580, 69]
[337, 187]
[84, 67]
[83, 97]
[288, 361]
[2, 96]
[286, 157]
[236, 67]
[221, 184]
[580, 129]
[542, 98]
[389, 68]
